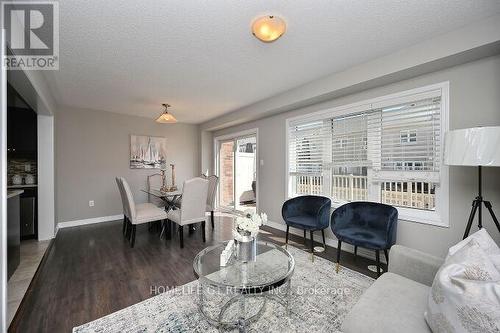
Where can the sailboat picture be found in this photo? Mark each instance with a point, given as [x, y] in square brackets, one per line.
[147, 152]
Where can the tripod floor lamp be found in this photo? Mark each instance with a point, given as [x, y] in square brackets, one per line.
[478, 146]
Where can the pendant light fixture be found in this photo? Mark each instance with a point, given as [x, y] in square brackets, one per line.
[165, 117]
[268, 28]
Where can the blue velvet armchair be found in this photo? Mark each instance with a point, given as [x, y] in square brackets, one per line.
[309, 212]
[366, 224]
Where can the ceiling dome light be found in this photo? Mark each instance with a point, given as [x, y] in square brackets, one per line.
[165, 117]
[268, 28]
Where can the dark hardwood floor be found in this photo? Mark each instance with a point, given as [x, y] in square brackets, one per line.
[91, 271]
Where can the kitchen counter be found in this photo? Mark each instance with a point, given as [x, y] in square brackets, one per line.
[22, 186]
[14, 193]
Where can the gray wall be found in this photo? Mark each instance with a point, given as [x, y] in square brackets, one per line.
[92, 147]
[474, 101]
[206, 151]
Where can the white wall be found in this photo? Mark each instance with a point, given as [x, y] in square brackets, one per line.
[46, 197]
[206, 152]
[474, 101]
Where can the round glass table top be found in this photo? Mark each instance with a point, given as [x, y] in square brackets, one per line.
[273, 266]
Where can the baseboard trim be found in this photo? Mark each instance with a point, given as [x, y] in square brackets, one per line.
[329, 241]
[76, 223]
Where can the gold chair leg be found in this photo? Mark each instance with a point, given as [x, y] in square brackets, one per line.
[337, 268]
[312, 256]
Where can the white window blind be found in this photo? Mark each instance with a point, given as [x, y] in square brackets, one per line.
[349, 141]
[306, 147]
[315, 146]
[396, 140]
[405, 140]
[385, 150]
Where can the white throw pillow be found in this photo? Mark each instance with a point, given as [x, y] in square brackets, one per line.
[465, 294]
[485, 242]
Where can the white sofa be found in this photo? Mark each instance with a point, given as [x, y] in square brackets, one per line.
[396, 302]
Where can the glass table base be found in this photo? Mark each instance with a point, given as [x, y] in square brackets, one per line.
[234, 310]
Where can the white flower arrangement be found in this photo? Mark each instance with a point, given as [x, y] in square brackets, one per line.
[251, 222]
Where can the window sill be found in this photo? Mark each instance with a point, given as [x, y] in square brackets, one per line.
[431, 218]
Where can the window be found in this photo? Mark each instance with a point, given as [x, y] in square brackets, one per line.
[408, 136]
[385, 150]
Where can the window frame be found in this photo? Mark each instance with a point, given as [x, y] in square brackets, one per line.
[440, 216]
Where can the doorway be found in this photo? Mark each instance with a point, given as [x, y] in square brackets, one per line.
[237, 168]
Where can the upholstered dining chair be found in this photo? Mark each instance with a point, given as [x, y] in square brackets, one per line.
[154, 182]
[369, 225]
[308, 212]
[124, 205]
[193, 207]
[138, 214]
[213, 182]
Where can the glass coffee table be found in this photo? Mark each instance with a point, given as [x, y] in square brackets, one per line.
[234, 295]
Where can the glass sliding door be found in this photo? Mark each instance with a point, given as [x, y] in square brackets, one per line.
[237, 169]
[246, 174]
[226, 174]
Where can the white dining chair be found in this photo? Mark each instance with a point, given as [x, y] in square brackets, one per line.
[192, 210]
[213, 182]
[154, 182]
[140, 213]
[124, 206]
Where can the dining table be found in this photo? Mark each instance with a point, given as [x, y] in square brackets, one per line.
[169, 198]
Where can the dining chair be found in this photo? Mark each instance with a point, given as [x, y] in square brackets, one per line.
[213, 182]
[140, 213]
[154, 182]
[193, 208]
[124, 206]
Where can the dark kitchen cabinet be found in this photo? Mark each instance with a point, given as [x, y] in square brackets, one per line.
[29, 213]
[21, 132]
[13, 235]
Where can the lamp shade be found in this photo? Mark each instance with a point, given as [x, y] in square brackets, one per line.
[477, 146]
[166, 118]
[268, 28]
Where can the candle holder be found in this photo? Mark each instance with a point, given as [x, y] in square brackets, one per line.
[173, 187]
[164, 187]
[163, 174]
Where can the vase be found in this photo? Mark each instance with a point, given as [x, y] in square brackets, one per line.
[246, 246]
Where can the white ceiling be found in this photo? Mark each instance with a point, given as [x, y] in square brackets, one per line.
[200, 57]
